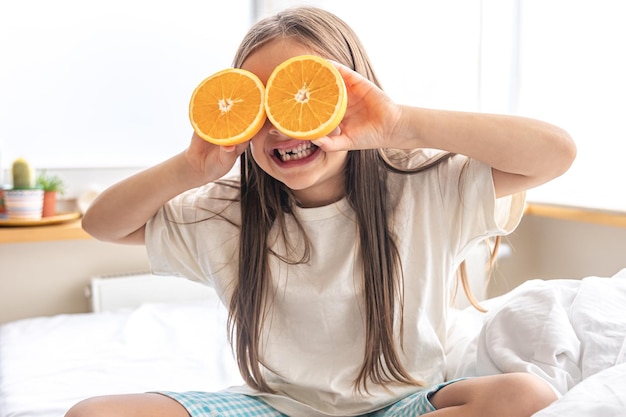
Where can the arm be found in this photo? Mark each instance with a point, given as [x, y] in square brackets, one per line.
[522, 152]
[120, 213]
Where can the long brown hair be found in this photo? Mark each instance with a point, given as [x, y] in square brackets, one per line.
[265, 203]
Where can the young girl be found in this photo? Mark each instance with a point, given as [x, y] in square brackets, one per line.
[336, 262]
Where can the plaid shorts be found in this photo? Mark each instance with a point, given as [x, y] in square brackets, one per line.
[229, 404]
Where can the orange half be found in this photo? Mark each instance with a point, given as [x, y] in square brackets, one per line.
[305, 97]
[227, 108]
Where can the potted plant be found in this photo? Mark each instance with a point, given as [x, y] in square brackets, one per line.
[24, 201]
[52, 185]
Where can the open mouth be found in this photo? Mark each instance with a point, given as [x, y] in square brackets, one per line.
[301, 151]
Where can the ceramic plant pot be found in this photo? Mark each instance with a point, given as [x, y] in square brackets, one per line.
[49, 203]
[24, 204]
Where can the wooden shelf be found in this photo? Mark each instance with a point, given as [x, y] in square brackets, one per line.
[73, 231]
[587, 215]
[65, 231]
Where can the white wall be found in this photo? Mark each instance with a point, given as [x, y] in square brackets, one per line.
[47, 278]
[50, 277]
[545, 248]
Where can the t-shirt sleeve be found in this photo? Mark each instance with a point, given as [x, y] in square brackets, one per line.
[194, 235]
[170, 248]
[472, 209]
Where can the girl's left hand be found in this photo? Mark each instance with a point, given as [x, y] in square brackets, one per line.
[370, 118]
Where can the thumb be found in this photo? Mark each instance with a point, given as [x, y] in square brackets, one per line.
[334, 143]
[238, 149]
[323, 142]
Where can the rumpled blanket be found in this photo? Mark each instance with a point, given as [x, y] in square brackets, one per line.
[565, 331]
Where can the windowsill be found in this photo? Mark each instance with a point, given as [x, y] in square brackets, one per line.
[73, 230]
[65, 231]
[580, 214]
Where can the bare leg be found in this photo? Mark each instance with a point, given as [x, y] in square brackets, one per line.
[508, 395]
[135, 405]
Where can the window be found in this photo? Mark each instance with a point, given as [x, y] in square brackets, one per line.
[573, 73]
[108, 85]
[561, 61]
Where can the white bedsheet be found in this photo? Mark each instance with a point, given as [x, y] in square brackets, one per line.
[601, 395]
[572, 333]
[49, 364]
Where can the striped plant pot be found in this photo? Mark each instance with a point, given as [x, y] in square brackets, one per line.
[23, 204]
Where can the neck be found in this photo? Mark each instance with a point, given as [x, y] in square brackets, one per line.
[320, 196]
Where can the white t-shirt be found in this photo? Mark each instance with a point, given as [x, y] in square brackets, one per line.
[313, 338]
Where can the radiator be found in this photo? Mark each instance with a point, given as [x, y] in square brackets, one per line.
[110, 293]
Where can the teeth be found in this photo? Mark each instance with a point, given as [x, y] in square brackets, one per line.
[301, 151]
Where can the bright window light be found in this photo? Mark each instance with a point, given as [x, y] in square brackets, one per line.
[107, 84]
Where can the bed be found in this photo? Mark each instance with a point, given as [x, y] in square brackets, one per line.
[169, 335]
[572, 333]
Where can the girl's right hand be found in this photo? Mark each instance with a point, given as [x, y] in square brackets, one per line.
[120, 213]
[208, 161]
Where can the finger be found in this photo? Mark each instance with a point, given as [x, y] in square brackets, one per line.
[323, 143]
[327, 142]
[350, 76]
[334, 143]
[237, 148]
[240, 148]
[340, 66]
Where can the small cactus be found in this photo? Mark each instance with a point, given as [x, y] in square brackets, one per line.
[23, 174]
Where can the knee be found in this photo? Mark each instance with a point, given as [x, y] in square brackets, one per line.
[529, 393]
[90, 407]
[136, 405]
[510, 395]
